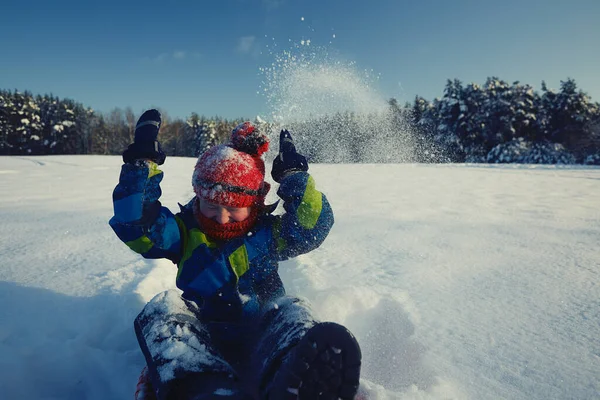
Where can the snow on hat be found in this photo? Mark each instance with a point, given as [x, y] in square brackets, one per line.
[233, 174]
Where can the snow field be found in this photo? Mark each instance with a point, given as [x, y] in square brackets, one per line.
[460, 281]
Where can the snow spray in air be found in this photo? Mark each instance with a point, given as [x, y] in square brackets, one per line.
[333, 110]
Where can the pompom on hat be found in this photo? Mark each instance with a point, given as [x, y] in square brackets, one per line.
[233, 174]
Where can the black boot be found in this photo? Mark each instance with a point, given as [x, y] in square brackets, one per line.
[325, 364]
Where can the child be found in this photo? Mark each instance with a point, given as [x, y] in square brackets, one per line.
[233, 333]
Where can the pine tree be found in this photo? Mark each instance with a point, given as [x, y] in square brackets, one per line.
[470, 123]
[526, 105]
[5, 126]
[65, 128]
[24, 118]
[509, 112]
[201, 132]
[591, 154]
[423, 125]
[49, 120]
[568, 113]
[448, 112]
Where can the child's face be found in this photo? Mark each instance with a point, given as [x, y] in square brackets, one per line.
[223, 214]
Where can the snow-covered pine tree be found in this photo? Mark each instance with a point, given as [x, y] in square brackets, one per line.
[510, 111]
[201, 132]
[432, 117]
[592, 150]
[64, 126]
[568, 112]
[84, 117]
[196, 130]
[526, 105]
[470, 123]
[48, 118]
[59, 126]
[522, 151]
[70, 139]
[5, 126]
[24, 116]
[423, 125]
[497, 112]
[448, 111]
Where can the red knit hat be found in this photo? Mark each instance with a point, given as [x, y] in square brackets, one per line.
[233, 174]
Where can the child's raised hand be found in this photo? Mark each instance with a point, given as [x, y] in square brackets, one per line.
[288, 160]
[145, 144]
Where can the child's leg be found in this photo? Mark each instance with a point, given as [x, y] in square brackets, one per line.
[307, 359]
[281, 327]
[182, 362]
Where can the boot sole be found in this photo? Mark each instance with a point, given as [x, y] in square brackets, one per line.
[324, 365]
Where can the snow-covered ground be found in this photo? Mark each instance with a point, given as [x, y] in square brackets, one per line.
[460, 281]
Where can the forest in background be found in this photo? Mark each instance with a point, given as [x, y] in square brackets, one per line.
[497, 122]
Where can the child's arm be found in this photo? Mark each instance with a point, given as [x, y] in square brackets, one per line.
[308, 218]
[140, 221]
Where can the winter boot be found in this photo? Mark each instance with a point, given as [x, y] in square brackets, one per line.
[325, 364]
[207, 387]
[193, 390]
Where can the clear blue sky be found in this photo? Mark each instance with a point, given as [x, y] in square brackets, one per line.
[204, 56]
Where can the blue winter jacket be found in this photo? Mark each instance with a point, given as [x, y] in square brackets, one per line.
[229, 280]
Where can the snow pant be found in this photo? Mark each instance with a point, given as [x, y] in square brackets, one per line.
[189, 358]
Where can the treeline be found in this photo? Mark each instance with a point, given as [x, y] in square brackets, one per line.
[498, 122]
[507, 122]
[37, 125]
[494, 123]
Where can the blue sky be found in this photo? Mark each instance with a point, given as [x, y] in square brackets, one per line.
[204, 56]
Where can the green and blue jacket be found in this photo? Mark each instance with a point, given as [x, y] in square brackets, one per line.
[230, 280]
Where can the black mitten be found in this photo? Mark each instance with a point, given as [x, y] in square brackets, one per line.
[145, 144]
[288, 160]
